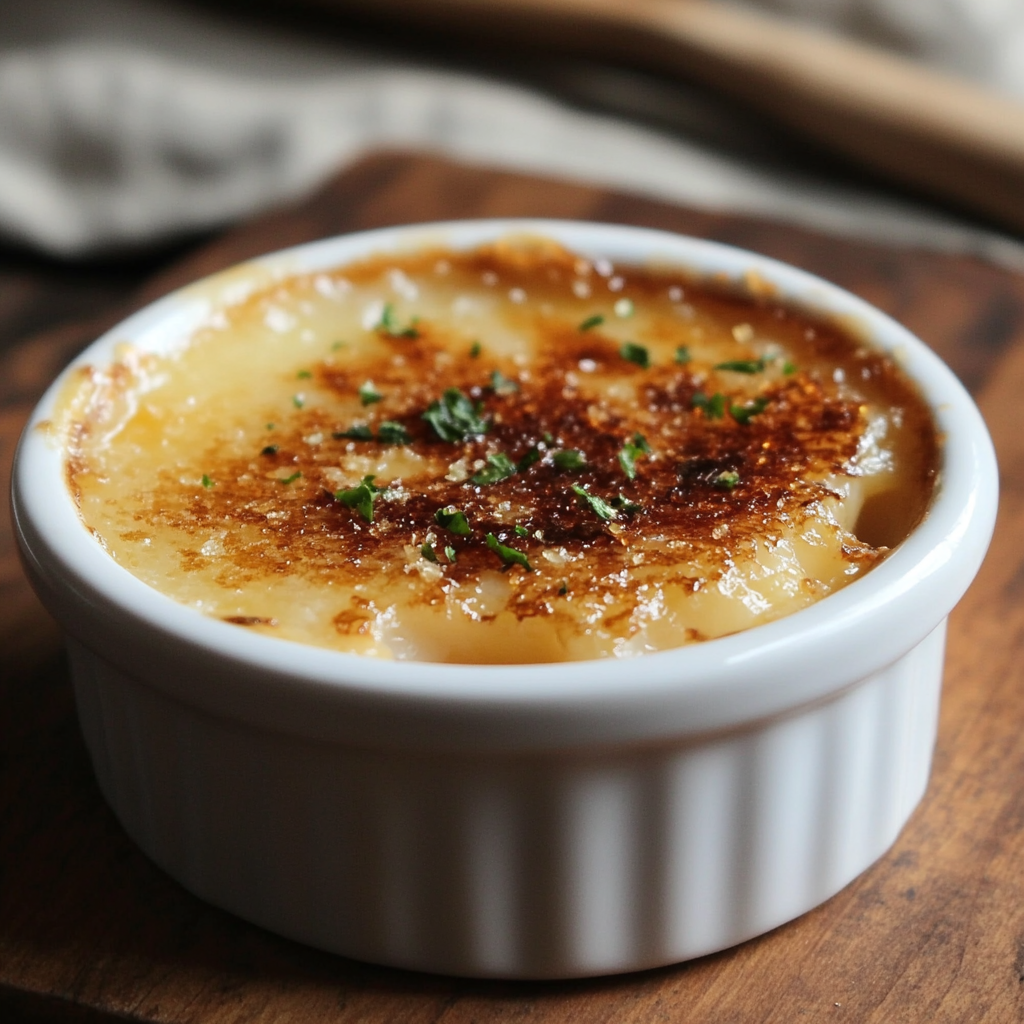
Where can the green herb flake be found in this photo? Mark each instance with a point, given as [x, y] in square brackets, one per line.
[746, 412]
[629, 453]
[548, 438]
[270, 449]
[569, 460]
[391, 432]
[449, 553]
[727, 479]
[270, 426]
[206, 482]
[298, 401]
[532, 456]
[624, 505]
[453, 520]
[454, 417]
[304, 375]
[360, 497]
[501, 385]
[713, 407]
[683, 355]
[509, 556]
[563, 590]
[742, 365]
[597, 505]
[390, 327]
[624, 308]
[591, 322]
[427, 551]
[357, 432]
[475, 349]
[788, 368]
[522, 531]
[634, 353]
[289, 479]
[368, 393]
[337, 346]
[499, 467]
[627, 460]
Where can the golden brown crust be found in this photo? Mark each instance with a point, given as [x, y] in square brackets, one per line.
[733, 457]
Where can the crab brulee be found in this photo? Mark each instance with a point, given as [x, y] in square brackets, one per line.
[511, 454]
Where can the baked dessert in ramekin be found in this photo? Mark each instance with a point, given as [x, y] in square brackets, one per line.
[531, 819]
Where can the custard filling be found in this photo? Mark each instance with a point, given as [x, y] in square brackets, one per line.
[508, 455]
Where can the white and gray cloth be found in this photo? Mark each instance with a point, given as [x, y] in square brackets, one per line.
[127, 122]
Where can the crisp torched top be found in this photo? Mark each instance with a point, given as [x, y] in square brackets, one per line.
[612, 459]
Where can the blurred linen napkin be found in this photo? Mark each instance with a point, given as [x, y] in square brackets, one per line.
[125, 123]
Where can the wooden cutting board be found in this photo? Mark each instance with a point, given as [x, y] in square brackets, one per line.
[91, 931]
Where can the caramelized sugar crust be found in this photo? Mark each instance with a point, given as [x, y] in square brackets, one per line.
[741, 419]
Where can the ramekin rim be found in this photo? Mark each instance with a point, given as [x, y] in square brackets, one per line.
[964, 503]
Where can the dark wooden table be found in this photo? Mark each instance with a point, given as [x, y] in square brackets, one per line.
[91, 931]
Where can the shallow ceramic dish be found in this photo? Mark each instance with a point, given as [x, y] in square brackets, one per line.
[540, 821]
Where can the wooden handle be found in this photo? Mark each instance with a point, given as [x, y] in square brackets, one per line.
[944, 136]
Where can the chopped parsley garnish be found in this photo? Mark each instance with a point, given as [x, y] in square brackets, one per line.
[270, 426]
[289, 479]
[510, 556]
[592, 321]
[270, 449]
[390, 432]
[453, 520]
[389, 325]
[629, 453]
[742, 365]
[337, 346]
[361, 497]
[206, 481]
[547, 438]
[427, 551]
[499, 467]
[454, 417]
[532, 456]
[597, 505]
[569, 460]
[746, 412]
[368, 393]
[501, 385]
[634, 353]
[623, 308]
[303, 375]
[475, 349]
[357, 432]
[788, 368]
[713, 407]
[683, 355]
[727, 479]
[449, 553]
[298, 401]
[522, 531]
[624, 505]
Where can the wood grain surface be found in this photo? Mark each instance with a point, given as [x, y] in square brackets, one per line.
[91, 931]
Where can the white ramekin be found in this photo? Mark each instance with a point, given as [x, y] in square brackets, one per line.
[516, 821]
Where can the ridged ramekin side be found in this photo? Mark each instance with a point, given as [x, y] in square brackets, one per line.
[518, 866]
